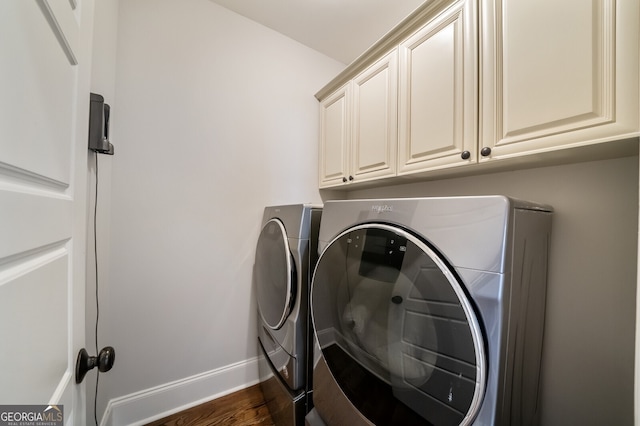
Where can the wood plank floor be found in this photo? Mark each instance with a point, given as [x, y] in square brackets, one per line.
[243, 408]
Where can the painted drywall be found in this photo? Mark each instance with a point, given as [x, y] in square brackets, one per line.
[103, 79]
[636, 405]
[216, 119]
[588, 354]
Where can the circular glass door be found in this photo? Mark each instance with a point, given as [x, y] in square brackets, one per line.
[397, 330]
[275, 274]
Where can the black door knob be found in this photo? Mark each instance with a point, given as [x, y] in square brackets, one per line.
[485, 152]
[350, 177]
[465, 155]
[104, 361]
[344, 179]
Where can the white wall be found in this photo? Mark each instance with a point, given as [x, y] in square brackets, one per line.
[215, 120]
[103, 79]
[636, 405]
[588, 355]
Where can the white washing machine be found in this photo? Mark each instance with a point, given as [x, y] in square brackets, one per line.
[286, 253]
[429, 311]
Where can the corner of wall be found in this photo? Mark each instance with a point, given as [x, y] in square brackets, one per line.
[151, 404]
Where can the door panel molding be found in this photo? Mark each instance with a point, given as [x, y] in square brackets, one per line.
[61, 18]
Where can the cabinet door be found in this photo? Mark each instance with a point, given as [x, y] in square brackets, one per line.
[557, 74]
[375, 131]
[334, 138]
[438, 92]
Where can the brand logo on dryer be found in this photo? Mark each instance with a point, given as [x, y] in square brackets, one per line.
[381, 208]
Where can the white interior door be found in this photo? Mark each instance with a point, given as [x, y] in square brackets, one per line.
[44, 104]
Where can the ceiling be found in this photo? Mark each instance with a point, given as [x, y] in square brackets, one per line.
[341, 29]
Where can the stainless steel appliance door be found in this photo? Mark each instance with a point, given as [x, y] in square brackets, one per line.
[397, 330]
[274, 274]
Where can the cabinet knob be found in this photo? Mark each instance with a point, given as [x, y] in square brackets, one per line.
[344, 179]
[465, 155]
[350, 177]
[485, 152]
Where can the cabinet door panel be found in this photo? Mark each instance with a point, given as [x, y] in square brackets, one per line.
[334, 138]
[557, 86]
[437, 93]
[431, 94]
[557, 74]
[375, 137]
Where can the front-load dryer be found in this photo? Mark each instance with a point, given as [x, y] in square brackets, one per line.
[286, 253]
[429, 311]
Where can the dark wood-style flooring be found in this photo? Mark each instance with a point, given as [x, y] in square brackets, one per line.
[243, 408]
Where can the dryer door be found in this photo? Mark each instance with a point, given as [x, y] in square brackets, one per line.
[274, 275]
[396, 330]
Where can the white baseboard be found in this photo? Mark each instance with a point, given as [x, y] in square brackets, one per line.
[155, 403]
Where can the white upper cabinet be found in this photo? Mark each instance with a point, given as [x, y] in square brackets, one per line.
[375, 120]
[358, 129]
[466, 85]
[335, 138]
[557, 74]
[438, 92]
